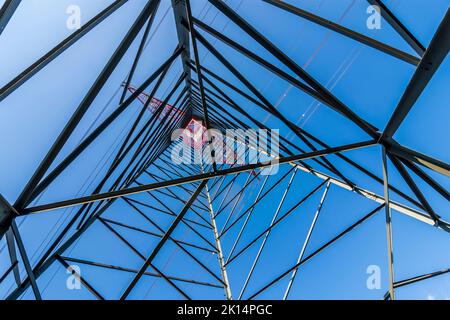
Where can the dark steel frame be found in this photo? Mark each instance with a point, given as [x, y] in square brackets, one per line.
[203, 96]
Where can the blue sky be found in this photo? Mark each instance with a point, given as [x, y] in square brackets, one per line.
[369, 82]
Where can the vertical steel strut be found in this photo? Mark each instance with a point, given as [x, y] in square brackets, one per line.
[305, 243]
[388, 227]
[223, 269]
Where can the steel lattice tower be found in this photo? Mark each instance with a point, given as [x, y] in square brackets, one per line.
[203, 215]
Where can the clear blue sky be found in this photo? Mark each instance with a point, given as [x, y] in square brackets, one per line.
[369, 82]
